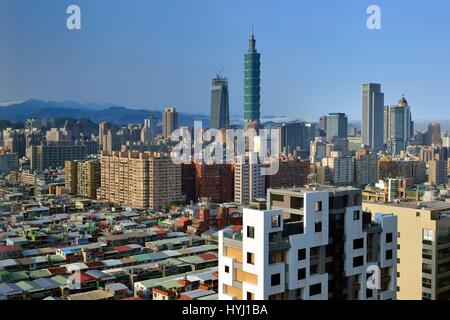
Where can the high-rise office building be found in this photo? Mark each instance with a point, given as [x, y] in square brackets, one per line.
[142, 180]
[336, 125]
[397, 126]
[220, 113]
[372, 116]
[423, 242]
[311, 244]
[169, 122]
[107, 137]
[296, 136]
[252, 82]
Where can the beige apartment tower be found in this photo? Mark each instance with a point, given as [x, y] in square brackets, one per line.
[423, 265]
[82, 177]
[142, 180]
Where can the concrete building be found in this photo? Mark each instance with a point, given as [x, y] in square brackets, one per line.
[312, 244]
[220, 103]
[142, 180]
[423, 266]
[372, 116]
[336, 126]
[292, 172]
[8, 162]
[406, 168]
[249, 183]
[438, 172]
[338, 169]
[82, 177]
[14, 141]
[53, 154]
[169, 122]
[397, 126]
[365, 167]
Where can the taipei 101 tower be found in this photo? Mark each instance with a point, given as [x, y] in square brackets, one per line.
[252, 84]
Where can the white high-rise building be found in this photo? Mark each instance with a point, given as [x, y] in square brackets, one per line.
[249, 183]
[311, 244]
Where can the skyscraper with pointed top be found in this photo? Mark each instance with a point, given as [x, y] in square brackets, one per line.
[252, 82]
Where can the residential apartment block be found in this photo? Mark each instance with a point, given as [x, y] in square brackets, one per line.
[313, 243]
[423, 268]
[143, 180]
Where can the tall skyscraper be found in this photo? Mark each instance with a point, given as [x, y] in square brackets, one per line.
[170, 121]
[220, 114]
[397, 126]
[252, 82]
[372, 116]
[336, 125]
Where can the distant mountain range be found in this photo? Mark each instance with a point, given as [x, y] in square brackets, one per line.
[21, 111]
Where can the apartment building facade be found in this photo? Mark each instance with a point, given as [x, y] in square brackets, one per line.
[143, 180]
[312, 244]
[423, 264]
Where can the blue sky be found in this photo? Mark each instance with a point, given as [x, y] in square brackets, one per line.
[158, 53]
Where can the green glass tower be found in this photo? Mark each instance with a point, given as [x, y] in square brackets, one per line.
[252, 83]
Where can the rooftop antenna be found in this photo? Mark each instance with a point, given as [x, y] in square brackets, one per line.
[219, 74]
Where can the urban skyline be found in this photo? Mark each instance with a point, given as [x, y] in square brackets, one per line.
[119, 204]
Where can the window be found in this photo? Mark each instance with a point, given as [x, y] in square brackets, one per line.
[276, 221]
[388, 254]
[398, 274]
[227, 269]
[296, 203]
[398, 235]
[417, 214]
[250, 232]
[427, 235]
[315, 289]
[356, 215]
[358, 243]
[301, 253]
[277, 197]
[318, 206]
[369, 293]
[301, 274]
[398, 247]
[358, 261]
[389, 237]
[250, 258]
[275, 280]
[318, 226]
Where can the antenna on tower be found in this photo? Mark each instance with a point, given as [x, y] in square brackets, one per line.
[219, 74]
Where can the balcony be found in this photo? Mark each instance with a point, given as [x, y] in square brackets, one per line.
[280, 245]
